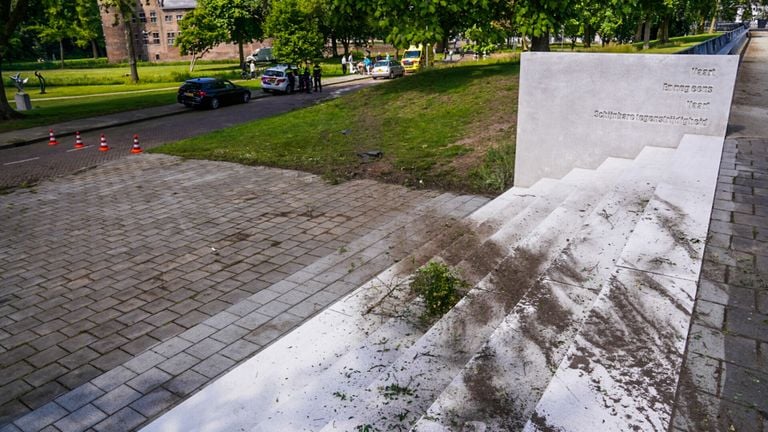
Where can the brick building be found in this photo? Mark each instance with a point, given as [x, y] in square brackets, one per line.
[155, 29]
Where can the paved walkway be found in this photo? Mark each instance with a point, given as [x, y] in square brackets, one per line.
[127, 287]
[724, 383]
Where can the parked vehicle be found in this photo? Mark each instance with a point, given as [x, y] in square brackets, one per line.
[414, 58]
[261, 55]
[275, 79]
[387, 69]
[211, 92]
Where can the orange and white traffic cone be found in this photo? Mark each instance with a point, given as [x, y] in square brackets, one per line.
[51, 138]
[136, 147]
[78, 141]
[103, 145]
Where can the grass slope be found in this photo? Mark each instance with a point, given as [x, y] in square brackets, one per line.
[451, 128]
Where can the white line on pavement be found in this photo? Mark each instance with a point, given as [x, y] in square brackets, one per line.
[21, 161]
[76, 149]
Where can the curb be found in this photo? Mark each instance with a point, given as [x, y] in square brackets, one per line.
[65, 131]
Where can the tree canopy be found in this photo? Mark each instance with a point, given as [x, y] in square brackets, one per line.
[301, 28]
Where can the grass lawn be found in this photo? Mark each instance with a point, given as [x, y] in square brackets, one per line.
[451, 128]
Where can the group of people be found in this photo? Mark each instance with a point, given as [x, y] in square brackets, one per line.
[305, 82]
[364, 67]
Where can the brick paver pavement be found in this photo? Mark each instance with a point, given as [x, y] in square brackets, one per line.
[125, 288]
[724, 382]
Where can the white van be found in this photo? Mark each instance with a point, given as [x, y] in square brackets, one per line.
[261, 55]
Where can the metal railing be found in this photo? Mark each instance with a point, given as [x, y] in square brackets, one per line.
[727, 43]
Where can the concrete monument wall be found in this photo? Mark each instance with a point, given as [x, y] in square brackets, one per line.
[577, 109]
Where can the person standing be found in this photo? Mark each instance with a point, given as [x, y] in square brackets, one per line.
[351, 63]
[302, 84]
[253, 69]
[305, 77]
[343, 65]
[317, 73]
[291, 81]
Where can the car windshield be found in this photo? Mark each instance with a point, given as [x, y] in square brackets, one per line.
[383, 63]
[273, 73]
[412, 54]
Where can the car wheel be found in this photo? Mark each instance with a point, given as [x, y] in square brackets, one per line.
[246, 97]
[374, 77]
[265, 90]
[391, 75]
[215, 104]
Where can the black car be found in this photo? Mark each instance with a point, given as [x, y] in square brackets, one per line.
[211, 92]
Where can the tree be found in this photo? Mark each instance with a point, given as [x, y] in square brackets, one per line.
[125, 13]
[241, 19]
[88, 29]
[539, 18]
[347, 21]
[198, 34]
[295, 28]
[57, 25]
[12, 12]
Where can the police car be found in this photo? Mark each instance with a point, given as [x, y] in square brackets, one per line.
[275, 79]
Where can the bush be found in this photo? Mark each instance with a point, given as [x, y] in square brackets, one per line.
[439, 287]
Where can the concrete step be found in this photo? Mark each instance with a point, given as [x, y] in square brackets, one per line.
[306, 404]
[530, 342]
[624, 364]
[405, 390]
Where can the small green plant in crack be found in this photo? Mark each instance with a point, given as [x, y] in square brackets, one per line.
[439, 287]
[365, 428]
[340, 395]
[393, 391]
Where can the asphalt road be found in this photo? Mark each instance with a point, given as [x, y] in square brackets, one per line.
[31, 163]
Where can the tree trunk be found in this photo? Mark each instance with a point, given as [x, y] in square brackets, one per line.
[334, 46]
[242, 55]
[664, 31]
[11, 14]
[95, 48]
[647, 34]
[587, 36]
[540, 43]
[639, 30]
[6, 112]
[61, 53]
[345, 44]
[712, 24]
[131, 52]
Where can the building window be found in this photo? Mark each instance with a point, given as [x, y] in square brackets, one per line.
[171, 38]
[142, 17]
[147, 2]
[153, 16]
[179, 17]
[168, 18]
[145, 37]
[156, 38]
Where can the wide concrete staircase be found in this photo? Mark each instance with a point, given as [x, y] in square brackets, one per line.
[582, 293]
